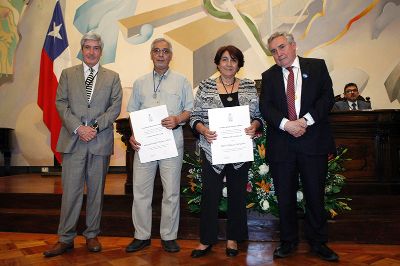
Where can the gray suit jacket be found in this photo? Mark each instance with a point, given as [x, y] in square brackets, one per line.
[344, 106]
[74, 110]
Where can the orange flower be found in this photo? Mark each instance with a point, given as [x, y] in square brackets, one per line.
[261, 150]
[250, 205]
[192, 185]
[264, 186]
[333, 213]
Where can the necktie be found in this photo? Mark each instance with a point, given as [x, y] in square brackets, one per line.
[354, 106]
[89, 84]
[290, 95]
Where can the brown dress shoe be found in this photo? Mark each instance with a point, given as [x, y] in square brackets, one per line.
[58, 249]
[93, 244]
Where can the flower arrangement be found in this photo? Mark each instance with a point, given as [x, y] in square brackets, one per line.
[261, 194]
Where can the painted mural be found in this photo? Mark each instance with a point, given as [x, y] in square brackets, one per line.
[10, 12]
[359, 39]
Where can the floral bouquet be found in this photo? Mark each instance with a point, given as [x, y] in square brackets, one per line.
[261, 194]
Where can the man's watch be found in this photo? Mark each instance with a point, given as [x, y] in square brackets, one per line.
[96, 126]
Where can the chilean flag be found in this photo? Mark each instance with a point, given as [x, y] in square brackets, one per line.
[55, 57]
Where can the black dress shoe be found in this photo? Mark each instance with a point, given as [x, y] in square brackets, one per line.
[325, 253]
[285, 249]
[197, 253]
[170, 246]
[58, 249]
[231, 252]
[137, 245]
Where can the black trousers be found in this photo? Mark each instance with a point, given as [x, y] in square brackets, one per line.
[312, 170]
[236, 181]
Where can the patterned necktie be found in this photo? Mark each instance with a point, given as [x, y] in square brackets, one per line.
[354, 106]
[89, 84]
[290, 95]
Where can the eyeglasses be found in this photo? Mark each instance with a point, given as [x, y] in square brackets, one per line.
[351, 91]
[165, 51]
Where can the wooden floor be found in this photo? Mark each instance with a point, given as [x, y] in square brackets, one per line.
[26, 249]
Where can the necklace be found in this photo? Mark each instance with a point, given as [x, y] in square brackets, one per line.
[232, 84]
[156, 89]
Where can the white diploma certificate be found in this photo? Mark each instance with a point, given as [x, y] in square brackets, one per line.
[157, 142]
[232, 144]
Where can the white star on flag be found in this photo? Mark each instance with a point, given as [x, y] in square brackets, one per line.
[56, 31]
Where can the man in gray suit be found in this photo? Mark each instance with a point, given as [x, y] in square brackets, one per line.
[88, 101]
[351, 103]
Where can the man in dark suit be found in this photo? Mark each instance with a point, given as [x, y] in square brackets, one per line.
[88, 101]
[351, 102]
[296, 98]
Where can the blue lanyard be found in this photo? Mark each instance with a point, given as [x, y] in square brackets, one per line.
[156, 89]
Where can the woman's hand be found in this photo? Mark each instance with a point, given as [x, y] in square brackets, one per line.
[207, 133]
[251, 130]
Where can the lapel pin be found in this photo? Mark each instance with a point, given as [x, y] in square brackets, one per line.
[305, 75]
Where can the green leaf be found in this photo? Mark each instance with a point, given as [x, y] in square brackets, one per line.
[335, 180]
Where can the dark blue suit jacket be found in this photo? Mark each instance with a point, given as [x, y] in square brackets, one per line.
[317, 98]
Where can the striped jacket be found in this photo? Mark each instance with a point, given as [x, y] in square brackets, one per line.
[207, 97]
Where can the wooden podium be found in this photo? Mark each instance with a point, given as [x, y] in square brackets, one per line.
[373, 142]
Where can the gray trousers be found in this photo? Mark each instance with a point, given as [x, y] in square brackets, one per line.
[77, 169]
[143, 185]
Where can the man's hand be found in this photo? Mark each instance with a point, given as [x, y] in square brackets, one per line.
[303, 121]
[134, 144]
[86, 133]
[170, 122]
[296, 128]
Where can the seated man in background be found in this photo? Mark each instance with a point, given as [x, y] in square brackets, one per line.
[351, 101]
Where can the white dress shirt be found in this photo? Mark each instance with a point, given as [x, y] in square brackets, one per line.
[86, 71]
[298, 81]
